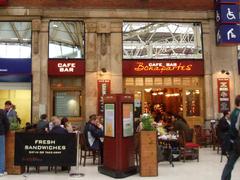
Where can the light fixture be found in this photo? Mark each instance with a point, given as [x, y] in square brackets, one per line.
[104, 70]
[154, 93]
[148, 89]
[223, 71]
[160, 93]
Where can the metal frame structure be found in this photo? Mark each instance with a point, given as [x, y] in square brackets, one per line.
[160, 40]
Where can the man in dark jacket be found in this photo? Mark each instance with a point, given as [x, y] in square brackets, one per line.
[93, 132]
[223, 128]
[4, 126]
[234, 131]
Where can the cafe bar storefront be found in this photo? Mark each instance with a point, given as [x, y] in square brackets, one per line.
[173, 86]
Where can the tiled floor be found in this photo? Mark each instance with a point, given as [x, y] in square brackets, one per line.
[209, 168]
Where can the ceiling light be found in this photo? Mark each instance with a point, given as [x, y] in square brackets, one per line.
[148, 89]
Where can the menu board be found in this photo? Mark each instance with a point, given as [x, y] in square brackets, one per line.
[66, 104]
[103, 89]
[109, 120]
[127, 120]
[223, 94]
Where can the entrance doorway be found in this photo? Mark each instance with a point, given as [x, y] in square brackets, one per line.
[175, 95]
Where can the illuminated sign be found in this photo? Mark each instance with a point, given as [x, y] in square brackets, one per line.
[66, 67]
[182, 67]
[223, 94]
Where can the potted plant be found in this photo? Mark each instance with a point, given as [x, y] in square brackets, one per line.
[148, 147]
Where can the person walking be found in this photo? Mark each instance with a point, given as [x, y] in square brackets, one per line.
[234, 134]
[4, 127]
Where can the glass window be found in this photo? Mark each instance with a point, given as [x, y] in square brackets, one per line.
[67, 103]
[15, 39]
[66, 40]
[161, 40]
[193, 102]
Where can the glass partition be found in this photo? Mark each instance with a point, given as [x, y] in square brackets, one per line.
[162, 40]
[66, 40]
[15, 40]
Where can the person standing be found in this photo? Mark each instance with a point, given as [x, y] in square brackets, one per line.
[234, 132]
[4, 127]
[10, 112]
[223, 128]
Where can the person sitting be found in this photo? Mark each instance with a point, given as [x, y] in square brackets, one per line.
[93, 132]
[180, 125]
[57, 128]
[66, 124]
[42, 126]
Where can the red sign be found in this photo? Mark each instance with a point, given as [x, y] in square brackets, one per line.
[163, 67]
[3, 2]
[66, 67]
[223, 94]
[104, 88]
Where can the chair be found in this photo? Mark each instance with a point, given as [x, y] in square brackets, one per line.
[188, 148]
[203, 136]
[85, 151]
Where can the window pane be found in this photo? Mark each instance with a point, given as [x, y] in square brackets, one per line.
[15, 37]
[193, 102]
[160, 40]
[66, 39]
[67, 103]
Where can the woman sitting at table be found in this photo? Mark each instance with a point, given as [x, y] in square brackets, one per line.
[180, 125]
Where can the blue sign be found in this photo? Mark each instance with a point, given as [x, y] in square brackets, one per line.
[228, 34]
[15, 66]
[227, 14]
[16, 78]
[227, 1]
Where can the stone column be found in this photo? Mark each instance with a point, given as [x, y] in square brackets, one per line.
[44, 96]
[36, 69]
[208, 82]
[116, 57]
[91, 66]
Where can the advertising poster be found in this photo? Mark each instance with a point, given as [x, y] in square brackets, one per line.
[127, 120]
[103, 89]
[36, 149]
[223, 94]
[109, 120]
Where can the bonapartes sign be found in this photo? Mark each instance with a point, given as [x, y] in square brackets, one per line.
[162, 67]
[45, 149]
[66, 67]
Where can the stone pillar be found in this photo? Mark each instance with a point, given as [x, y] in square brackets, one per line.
[103, 50]
[91, 66]
[208, 82]
[39, 67]
[116, 57]
[36, 69]
[44, 96]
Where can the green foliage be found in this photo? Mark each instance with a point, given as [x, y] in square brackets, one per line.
[14, 125]
[147, 121]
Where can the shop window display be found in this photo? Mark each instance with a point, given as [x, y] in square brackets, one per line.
[67, 103]
[193, 102]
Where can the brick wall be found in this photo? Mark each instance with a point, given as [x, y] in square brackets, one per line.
[153, 4]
